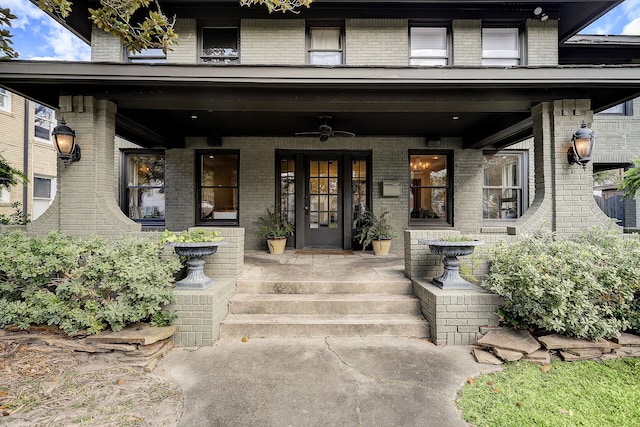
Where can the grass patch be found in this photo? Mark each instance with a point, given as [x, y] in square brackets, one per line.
[588, 393]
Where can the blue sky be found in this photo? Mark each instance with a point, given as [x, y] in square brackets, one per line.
[38, 37]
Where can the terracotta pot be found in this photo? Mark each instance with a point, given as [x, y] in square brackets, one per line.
[276, 246]
[381, 247]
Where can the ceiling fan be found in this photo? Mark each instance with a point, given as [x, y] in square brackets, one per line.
[325, 131]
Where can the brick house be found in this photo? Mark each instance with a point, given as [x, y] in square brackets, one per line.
[456, 117]
[432, 92]
[26, 143]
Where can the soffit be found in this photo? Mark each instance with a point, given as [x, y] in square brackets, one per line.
[161, 104]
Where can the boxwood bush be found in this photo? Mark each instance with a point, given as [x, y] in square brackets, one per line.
[82, 285]
[585, 287]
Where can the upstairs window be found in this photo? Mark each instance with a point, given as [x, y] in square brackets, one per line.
[325, 45]
[623, 109]
[501, 46]
[220, 45]
[44, 122]
[429, 46]
[147, 56]
[5, 100]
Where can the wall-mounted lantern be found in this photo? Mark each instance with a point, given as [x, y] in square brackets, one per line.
[582, 143]
[64, 139]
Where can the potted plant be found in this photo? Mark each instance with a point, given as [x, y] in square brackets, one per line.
[374, 230]
[275, 228]
[194, 245]
[10, 176]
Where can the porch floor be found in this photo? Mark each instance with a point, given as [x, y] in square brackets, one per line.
[298, 266]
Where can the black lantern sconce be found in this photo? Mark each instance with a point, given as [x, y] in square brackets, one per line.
[582, 143]
[64, 139]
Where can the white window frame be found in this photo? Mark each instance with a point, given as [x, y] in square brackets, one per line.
[5, 96]
[41, 204]
[425, 52]
[5, 195]
[505, 210]
[221, 55]
[315, 54]
[507, 56]
[49, 120]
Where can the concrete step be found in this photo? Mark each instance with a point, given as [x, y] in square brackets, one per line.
[298, 325]
[324, 304]
[395, 286]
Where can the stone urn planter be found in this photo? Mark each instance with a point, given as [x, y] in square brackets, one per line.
[450, 278]
[195, 253]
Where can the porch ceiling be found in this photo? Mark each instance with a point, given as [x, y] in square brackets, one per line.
[158, 105]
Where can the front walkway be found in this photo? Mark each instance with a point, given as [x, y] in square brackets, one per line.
[335, 266]
[347, 381]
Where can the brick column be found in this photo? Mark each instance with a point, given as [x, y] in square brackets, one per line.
[85, 203]
[564, 200]
[575, 208]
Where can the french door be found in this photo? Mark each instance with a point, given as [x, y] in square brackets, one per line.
[320, 193]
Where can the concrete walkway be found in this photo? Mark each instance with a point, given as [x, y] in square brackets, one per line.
[384, 381]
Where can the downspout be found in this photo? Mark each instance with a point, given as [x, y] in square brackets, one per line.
[25, 162]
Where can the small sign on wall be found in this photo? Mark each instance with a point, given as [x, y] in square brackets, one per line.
[391, 188]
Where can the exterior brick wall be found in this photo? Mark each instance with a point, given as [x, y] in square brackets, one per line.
[200, 313]
[273, 41]
[94, 123]
[467, 42]
[456, 316]
[11, 146]
[377, 42]
[542, 42]
[42, 158]
[105, 47]
[186, 50]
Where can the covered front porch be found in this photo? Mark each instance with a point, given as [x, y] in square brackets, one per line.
[329, 293]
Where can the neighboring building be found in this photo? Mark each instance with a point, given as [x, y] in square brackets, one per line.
[25, 127]
[462, 115]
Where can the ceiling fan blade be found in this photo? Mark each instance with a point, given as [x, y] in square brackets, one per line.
[307, 133]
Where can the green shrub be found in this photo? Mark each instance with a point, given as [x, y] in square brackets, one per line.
[82, 284]
[586, 287]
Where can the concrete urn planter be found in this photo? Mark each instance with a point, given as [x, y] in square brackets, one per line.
[450, 278]
[195, 253]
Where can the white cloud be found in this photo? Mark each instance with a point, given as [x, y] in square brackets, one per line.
[632, 28]
[631, 8]
[26, 13]
[45, 38]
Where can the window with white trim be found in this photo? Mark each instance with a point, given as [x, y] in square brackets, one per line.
[5, 197]
[5, 100]
[44, 122]
[44, 191]
[504, 193]
[501, 46]
[220, 45]
[429, 46]
[325, 45]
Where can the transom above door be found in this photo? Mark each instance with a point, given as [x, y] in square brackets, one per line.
[320, 192]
